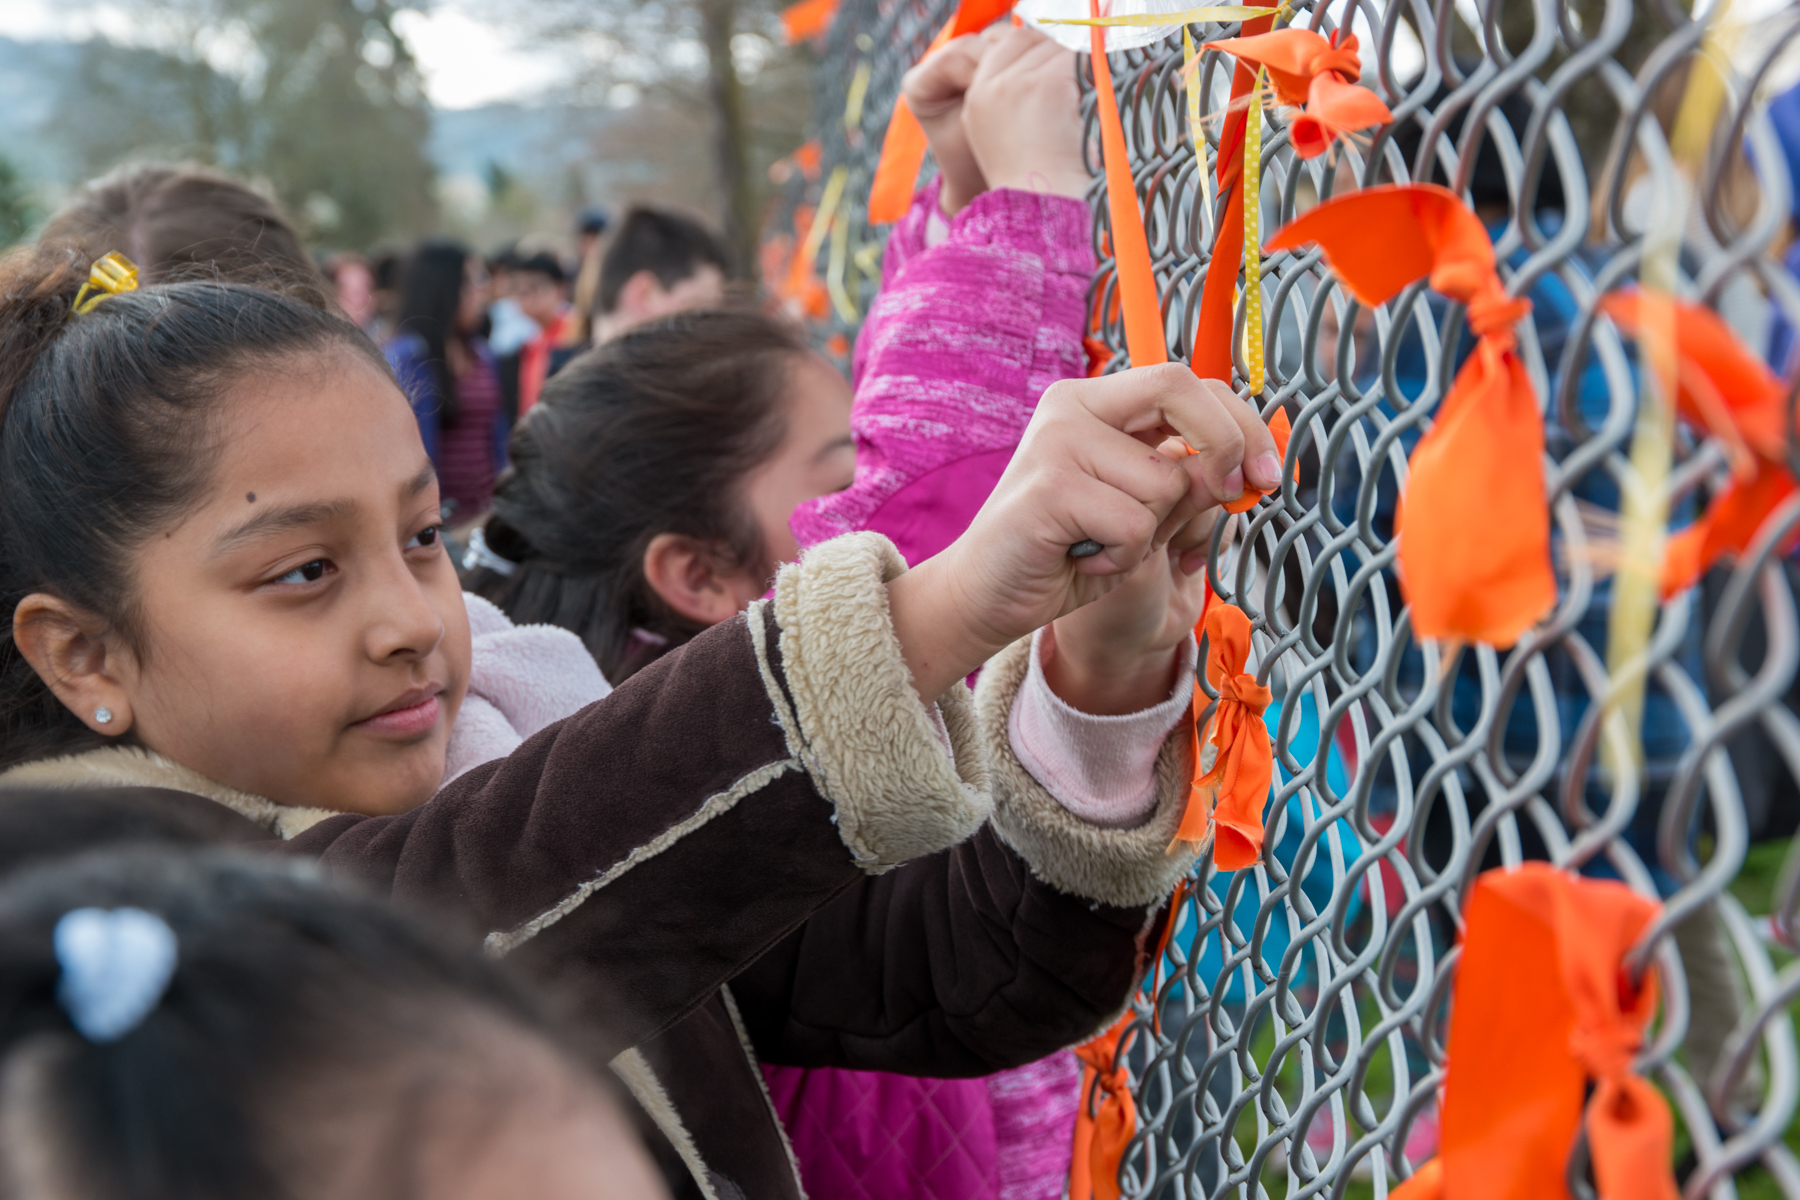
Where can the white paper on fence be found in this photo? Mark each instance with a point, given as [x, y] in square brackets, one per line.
[1118, 37]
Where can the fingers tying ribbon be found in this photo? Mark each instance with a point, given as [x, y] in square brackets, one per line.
[1107, 1118]
[1232, 792]
[1541, 1008]
[1726, 391]
[1318, 77]
[1481, 466]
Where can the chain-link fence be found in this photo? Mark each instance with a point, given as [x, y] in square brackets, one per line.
[1293, 1042]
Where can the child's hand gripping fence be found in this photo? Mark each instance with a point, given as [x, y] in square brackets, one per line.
[1293, 1042]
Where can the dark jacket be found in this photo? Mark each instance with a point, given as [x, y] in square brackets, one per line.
[759, 848]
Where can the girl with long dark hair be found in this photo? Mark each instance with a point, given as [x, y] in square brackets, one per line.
[448, 374]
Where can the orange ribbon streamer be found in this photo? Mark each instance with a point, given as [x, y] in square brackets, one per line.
[807, 19]
[903, 146]
[1211, 358]
[1474, 527]
[1103, 1130]
[1317, 76]
[1724, 390]
[1541, 1007]
[1233, 793]
[1144, 336]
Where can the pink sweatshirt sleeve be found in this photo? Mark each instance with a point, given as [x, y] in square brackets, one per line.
[963, 339]
[1102, 769]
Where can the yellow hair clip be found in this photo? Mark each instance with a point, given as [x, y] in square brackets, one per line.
[110, 275]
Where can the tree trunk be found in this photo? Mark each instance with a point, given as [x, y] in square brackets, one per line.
[731, 160]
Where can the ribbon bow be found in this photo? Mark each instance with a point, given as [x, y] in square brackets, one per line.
[1103, 1129]
[1317, 76]
[111, 274]
[1233, 791]
[1726, 391]
[1541, 1007]
[1481, 466]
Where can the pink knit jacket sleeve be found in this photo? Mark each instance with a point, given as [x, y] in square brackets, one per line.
[963, 339]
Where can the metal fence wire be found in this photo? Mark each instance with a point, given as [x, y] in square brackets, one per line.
[1292, 1043]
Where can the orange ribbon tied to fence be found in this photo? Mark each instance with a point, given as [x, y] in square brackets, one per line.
[1144, 337]
[1542, 1007]
[903, 145]
[1725, 390]
[1233, 792]
[1318, 77]
[1474, 527]
[1107, 1118]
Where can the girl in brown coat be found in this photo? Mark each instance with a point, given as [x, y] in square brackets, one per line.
[219, 543]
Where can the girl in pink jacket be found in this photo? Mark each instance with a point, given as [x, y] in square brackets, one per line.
[982, 306]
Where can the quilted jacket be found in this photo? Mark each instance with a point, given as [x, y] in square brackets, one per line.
[977, 316]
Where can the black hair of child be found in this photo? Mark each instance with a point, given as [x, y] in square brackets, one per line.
[670, 246]
[105, 439]
[430, 295]
[280, 981]
[652, 432]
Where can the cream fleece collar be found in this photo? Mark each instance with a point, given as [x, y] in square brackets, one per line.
[132, 766]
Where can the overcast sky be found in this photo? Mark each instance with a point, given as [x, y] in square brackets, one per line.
[466, 61]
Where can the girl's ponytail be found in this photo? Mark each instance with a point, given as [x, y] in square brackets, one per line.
[651, 433]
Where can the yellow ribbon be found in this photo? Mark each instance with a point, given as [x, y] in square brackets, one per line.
[828, 202]
[1190, 76]
[1253, 310]
[835, 284]
[111, 274]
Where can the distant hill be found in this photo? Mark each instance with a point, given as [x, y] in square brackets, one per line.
[537, 143]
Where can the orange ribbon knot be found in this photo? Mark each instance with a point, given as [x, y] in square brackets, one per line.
[1318, 77]
[1542, 1007]
[1107, 1118]
[1233, 792]
[1474, 527]
[1726, 391]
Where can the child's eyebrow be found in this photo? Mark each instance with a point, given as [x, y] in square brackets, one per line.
[281, 520]
[425, 478]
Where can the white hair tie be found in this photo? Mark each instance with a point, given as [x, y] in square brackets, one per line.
[479, 554]
[116, 964]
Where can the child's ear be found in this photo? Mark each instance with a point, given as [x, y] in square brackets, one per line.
[638, 299]
[690, 577]
[69, 649]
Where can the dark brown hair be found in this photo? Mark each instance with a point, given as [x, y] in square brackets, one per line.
[651, 433]
[282, 984]
[186, 222]
[661, 241]
[105, 438]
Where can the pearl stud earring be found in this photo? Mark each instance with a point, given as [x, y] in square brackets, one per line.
[103, 715]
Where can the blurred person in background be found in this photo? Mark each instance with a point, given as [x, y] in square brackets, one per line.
[387, 265]
[448, 374]
[184, 221]
[508, 326]
[590, 228]
[353, 286]
[540, 288]
[658, 263]
[200, 1024]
